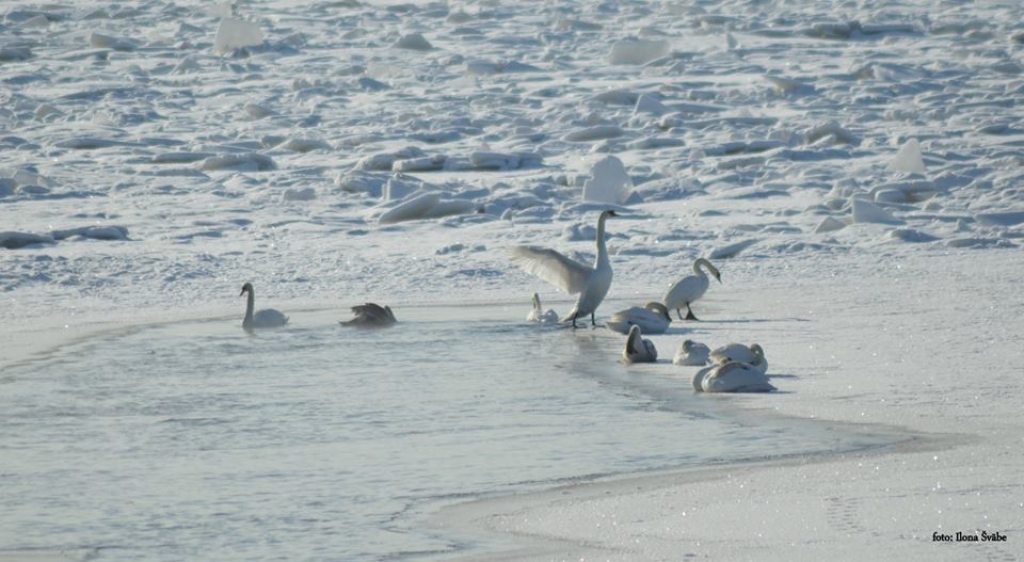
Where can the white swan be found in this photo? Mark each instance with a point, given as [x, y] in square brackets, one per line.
[371, 315]
[691, 353]
[690, 288]
[653, 318]
[539, 315]
[752, 355]
[732, 377]
[592, 283]
[638, 350]
[266, 318]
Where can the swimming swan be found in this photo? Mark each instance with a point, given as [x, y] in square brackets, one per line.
[653, 318]
[592, 283]
[739, 353]
[371, 315]
[539, 315]
[690, 288]
[638, 350]
[732, 377]
[691, 353]
[266, 318]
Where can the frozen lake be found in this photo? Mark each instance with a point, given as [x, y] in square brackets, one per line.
[196, 440]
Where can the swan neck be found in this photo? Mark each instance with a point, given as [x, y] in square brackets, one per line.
[250, 304]
[702, 263]
[602, 249]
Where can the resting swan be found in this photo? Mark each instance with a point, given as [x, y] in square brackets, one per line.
[638, 350]
[371, 315]
[653, 318]
[732, 377]
[592, 283]
[690, 288]
[266, 318]
[691, 353]
[539, 315]
[739, 353]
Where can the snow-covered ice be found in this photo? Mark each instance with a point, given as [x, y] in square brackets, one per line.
[854, 169]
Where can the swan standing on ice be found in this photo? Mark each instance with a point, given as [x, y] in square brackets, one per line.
[592, 283]
[371, 315]
[638, 350]
[539, 315]
[690, 288]
[266, 318]
[653, 318]
[739, 353]
[691, 353]
[732, 377]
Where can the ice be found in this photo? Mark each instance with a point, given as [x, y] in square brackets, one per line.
[608, 182]
[647, 103]
[14, 240]
[866, 212]
[908, 159]
[637, 51]
[413, 42]
[235, 34]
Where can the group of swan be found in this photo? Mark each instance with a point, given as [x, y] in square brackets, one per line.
[591, 283]
[367, 315]
[734, 367]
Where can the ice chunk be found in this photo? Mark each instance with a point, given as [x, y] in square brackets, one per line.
[829, 224]
[413, 42]
[14, 54]
[789, 86]
[637, 51]
[865, 211]
[908, 159]
[100, 41]
[236, 34]
[14, 240]
[95, 232]
[650, 104]
[414, 207]
[244, 162]
[299, 194]
[608, 182]
[597, 132]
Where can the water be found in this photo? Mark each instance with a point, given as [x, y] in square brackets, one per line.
[317, 442]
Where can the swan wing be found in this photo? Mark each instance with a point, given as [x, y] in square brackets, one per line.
[551, 266]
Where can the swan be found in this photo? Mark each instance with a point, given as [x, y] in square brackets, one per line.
[371, 315]
[653, 318]
[733, 377]
[266, 318]
[739, 353]
[690, 288]
[592, 283]
[692, 353]
[638, 350]
[539, 315]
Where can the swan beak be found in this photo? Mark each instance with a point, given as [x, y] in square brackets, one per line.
[718, 278]
[242, 293]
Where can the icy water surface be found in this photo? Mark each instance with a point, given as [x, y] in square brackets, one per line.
[318, 442]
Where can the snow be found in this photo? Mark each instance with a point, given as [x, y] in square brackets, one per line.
[856, 169]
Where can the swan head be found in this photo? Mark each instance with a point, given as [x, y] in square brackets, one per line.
[607, 213]
[247, 288]
[659, 309]
[757, 350]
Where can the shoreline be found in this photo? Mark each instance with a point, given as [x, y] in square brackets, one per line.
[482, 520]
